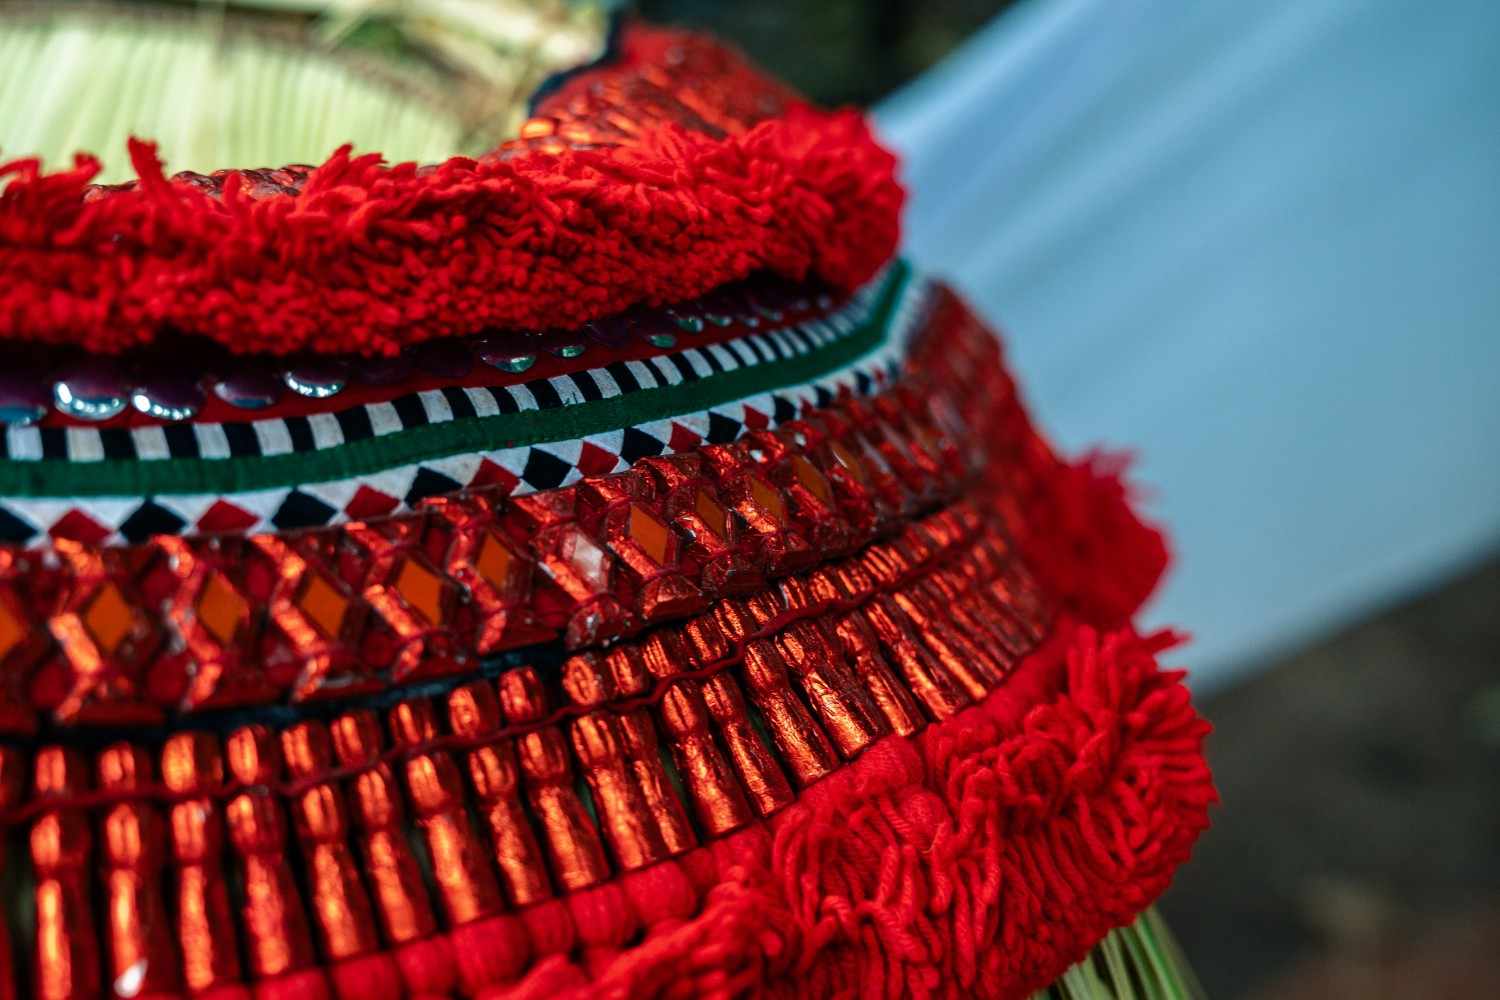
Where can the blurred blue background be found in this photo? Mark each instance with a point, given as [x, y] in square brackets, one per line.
[1259, 244]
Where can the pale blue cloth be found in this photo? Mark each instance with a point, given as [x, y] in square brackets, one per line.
[1258, 242]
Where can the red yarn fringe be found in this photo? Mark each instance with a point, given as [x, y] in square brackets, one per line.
[978, 858]
[369, 257]
[1084, 541]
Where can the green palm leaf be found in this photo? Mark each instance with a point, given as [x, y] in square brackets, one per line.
[1137, 962]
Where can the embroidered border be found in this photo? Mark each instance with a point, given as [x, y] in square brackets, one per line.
[105, 635]
[563, 433]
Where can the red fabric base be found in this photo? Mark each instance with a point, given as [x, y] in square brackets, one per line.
[368, 257]
[979, 858]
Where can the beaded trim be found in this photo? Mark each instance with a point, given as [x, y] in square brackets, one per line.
[625, 759]
[94, 634]
[520, 437]
[133, 399]
[789, 609]
[881, 619]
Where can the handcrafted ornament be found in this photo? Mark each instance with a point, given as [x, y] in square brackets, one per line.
[583, 563]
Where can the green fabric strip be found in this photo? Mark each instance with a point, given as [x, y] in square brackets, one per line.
[418, 444]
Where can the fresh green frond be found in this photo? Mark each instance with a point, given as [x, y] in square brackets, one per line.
[1138, 962]
[217, 91]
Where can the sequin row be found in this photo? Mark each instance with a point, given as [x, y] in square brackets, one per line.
[140, 634]
[216, 857]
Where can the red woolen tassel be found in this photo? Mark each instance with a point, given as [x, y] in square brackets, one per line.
[1083, 540]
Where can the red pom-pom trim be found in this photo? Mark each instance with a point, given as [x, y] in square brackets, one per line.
[1085, 541]
[980, 857]
[574, 221]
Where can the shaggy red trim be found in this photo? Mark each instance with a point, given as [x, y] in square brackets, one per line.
[1083, 539]
[979, 858]
[367, 257]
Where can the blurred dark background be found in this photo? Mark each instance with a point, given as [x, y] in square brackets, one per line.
[1357, 849]
[838, 51]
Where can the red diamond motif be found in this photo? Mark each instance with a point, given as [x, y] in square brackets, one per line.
[79, 527]
[756, 420]
[682, 439]
[224, 518]
[596, 461]
[493, 474]
[368, 502]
